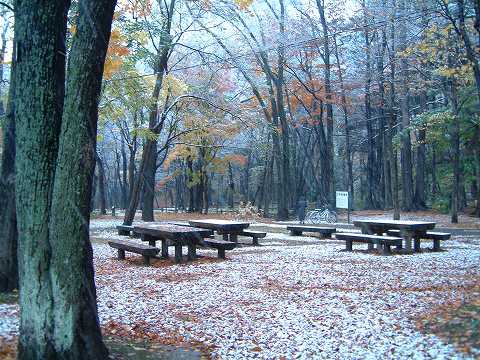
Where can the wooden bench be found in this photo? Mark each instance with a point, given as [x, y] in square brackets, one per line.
[297, 230]
[254, 234]
[146, 251]
[431, 235]
[125, 230]
[220, 245]
[181, 223]
[383, 242]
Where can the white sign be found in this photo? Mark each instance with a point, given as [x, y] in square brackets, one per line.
[342, 200]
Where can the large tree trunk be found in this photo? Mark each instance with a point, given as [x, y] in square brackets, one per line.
[371, 201]
[76, 327]
[406, 148]
[39, 84]
[8, 221]
[455, 151]
[348, 148]
[57, 292]
[392, 119]
[477, 168]
[101, 186]
[149, 183]
[124, 176]
[328, 171]
[155, 126]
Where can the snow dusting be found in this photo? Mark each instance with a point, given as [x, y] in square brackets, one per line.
[286, 299]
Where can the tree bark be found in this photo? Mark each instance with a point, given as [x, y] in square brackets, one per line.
[101, 186]
[406, 148]
[477, 168]
[77, 332]
[57, 292]
[455, 151]
[348, 148]
[149, 183]
[156, 127]
[328, 172]
[39, 77]
[8, 220]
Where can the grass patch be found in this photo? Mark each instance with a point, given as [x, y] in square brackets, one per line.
[9, 298]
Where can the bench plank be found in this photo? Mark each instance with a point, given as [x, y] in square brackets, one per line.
[383, 242]
[145, 250]
[254, 234]
[297, 230]
[429, 235]
[220, 245]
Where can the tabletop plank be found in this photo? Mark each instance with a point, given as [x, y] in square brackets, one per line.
[218, 224]
[171, 231]
[396, 224]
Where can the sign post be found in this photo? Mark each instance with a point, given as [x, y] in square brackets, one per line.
[342, 202]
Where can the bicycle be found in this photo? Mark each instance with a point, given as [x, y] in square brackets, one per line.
[321, 215]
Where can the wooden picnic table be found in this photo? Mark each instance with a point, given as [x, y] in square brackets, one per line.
[409, 229]
[178, 236]
[229, 229]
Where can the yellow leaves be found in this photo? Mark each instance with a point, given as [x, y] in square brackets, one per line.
[243, 4]
[145, 133]
[173, 86]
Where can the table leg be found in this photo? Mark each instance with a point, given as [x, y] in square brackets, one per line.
[225, 237]
[436, 245]
[368, 231]
[386, 249]
[151, 240]
[348, 245]
[121, 254]
[416, 244]
[178, 254]
[407, 236]
[379, 245]
[192, 252]
[234, 238]
[146, 260]
[164, 249]
[221, 253]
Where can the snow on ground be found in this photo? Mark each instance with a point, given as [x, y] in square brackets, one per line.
[8, 321]
[310, 301]
[287, 300]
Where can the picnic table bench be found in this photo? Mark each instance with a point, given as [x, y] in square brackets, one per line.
[146, 251]
[227, 228]
[173, 235]
[409, 229]
[125, 230]
[220, 245]
[254, 234]
[297, 230]
[383, 242]
[431, 235]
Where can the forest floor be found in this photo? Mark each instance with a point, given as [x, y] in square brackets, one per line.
[293, 297]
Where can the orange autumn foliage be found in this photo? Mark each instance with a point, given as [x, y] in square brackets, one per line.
[117, 50]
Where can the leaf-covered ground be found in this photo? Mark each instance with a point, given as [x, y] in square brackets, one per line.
[299, 297]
